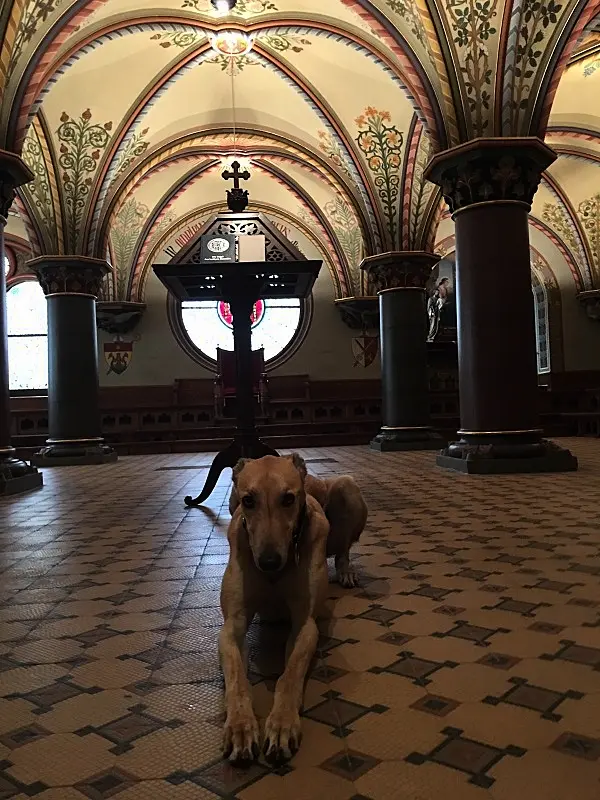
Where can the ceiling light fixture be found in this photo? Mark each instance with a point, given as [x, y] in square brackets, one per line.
[223, 6]
[232, 43]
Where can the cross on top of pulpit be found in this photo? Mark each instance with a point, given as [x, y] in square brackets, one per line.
[237, 198]
[236, 174]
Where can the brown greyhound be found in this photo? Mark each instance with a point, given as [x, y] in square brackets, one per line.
[279, 538]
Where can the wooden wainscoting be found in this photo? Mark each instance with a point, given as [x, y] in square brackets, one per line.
[181, 417]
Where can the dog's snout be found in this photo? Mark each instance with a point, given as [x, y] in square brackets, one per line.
[269, 560]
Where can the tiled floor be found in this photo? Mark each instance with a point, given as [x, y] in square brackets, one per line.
[466, 666]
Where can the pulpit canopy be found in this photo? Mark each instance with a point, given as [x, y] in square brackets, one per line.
[284, 273]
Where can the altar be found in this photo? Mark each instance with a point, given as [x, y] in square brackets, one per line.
[238, 257]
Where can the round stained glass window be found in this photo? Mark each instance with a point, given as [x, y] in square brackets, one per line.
[9, 260]
[276, 326]
[258, 312]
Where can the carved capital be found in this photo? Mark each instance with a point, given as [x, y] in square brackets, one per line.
[13, 172]
[69, 274]
[399, 270]
[590, 300]
[490, 170]
[118, 317]
[359, 313]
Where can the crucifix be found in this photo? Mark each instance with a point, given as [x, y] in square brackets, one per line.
[236, 174]
[237, 198]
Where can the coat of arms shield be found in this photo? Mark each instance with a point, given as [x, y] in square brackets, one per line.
[364, 350]
[118, 356]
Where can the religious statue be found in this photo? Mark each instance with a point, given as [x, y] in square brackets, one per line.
[435, 304]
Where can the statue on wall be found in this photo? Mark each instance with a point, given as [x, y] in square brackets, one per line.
[441, 306]
[435, 304]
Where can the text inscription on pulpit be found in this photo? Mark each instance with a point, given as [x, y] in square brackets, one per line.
[220, 247]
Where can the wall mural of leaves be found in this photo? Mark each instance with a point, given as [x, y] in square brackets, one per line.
[381, 144]
[233, 65]
[588, 212]
[409, 12]
[35, 13]
[347, 230]
[333, 151]
[472, 28]
[38, 191]
[123, 237]
[163, 225]
[81, 145]
[537, 17]
[557, 219]
[243, 8]
[284, 41]
[135, 147]
[181, 38]
[421, 191]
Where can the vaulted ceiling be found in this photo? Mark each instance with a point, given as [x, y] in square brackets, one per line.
[124, 112]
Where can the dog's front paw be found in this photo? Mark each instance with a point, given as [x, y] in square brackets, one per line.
[282, 735]
[347, 577]
[241, 743]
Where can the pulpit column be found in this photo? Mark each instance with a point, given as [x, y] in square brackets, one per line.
[400, 279]
[71, 285]
[16, 476]
[489, 185]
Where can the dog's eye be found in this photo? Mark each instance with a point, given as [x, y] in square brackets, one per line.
[248, 501]
[288, 499]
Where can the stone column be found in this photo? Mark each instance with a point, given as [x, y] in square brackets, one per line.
[71, 285]
[489, 185]
[15, 475]
[400, 279]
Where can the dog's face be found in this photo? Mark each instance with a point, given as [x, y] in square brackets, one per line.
[271, 496]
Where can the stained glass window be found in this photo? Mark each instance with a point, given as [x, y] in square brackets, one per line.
[27, 337]
[209, 325]
[541, 328]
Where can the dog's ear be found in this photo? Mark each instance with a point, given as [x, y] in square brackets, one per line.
[238, 468]
[299, 463]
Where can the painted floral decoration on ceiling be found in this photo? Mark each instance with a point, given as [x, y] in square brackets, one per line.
[81, 145]
[381, 143]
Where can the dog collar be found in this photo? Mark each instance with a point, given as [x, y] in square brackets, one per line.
[297, 534]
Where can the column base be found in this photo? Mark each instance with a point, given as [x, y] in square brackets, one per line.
[70, 454]
[505, 455]
[17, 476]
[395, 439]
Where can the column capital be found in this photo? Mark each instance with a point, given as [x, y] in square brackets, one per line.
[13, 172]
[359, 313]
[118, 316]
[70, 274]
[492, 170]
[590, 300]
[408, 269]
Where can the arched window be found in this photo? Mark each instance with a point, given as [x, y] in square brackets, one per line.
[542, 337]
[278, 325]
[9, 261]
[27, 337]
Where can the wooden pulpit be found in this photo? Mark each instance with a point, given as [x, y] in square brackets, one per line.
[238, 257]
[240, 284]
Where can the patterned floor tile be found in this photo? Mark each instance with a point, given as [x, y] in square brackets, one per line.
[466, 665]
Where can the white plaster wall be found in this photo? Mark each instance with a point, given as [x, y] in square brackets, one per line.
[581, 335]
[326, 353]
